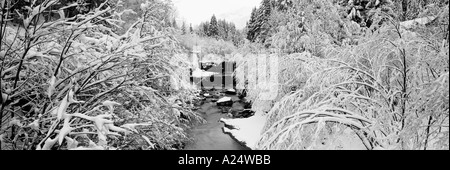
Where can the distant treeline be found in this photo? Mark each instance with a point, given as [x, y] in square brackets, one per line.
[220, 29]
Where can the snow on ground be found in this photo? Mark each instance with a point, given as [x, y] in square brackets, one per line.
[231, 90]
[248, 130]
[419, 21]
[200, 73]
[344, 139]
[224, 99]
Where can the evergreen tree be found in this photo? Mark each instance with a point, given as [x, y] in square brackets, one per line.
[203, 29]
[258, 27]
[213, 27]
[251, 26]
[283, 5]
[263, 21]
[220, 29]
[206, 28]
[223, 29]
[266, 9]
[191, 30]
[183, 28]
[363, 12]
[174, 23]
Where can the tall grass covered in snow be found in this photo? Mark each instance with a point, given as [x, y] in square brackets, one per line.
[389, 91]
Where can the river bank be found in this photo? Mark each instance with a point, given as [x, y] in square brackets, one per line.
[246, 131]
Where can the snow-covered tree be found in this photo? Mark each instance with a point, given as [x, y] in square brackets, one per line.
[174, 23]
[258, 26]
[183, 28]
[80, 84]
[213, 28]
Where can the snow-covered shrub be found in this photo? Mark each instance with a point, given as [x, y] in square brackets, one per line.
[73, 83]
[391, 91]
[386, 90]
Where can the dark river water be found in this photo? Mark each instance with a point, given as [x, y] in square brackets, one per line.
[210, 136]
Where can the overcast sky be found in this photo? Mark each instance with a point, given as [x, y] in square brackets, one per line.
[196, 11]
